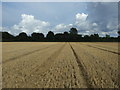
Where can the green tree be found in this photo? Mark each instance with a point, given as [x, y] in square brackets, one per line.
[22, 37]
[119, 32]
[37, 36]
[73, 31]
[107, 36]
[7, 36]
[50, 36]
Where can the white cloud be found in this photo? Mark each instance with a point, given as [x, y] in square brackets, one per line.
[82, 23]
[86, 27]
[81, 17]
[0, 28]
[112, 25]
[4, 29]
[94, 24]
[62, 27]
[29, 24]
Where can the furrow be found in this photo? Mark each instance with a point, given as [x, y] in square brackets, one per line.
[82, 69]
[103, 49]
[24, 54]
[45, 66]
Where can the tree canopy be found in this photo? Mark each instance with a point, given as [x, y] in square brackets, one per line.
[71, 36]
[73, 31]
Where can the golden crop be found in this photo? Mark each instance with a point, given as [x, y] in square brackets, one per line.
[59, 65]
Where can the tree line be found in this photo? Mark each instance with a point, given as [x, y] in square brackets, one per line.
[71, 36]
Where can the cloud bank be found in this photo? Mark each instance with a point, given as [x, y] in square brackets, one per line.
[105, 15]
[88, 17]
[29, 24]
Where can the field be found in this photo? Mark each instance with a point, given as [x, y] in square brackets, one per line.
[59, 65]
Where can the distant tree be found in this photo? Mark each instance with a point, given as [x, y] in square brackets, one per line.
[73, 31]
[50, 36]
[7, 36]
[37, 36]
[79, 38]
[66, 36]
[66, 33]
[59, 37]
[94, 37]
[119, 32]
[119, 35]
[22, 37]
[0, 36]
[23, 34]
[87, 38]
[107, 36]
[73, 34]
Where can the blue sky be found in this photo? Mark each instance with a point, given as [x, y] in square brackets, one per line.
[54, 12]
[87, 17]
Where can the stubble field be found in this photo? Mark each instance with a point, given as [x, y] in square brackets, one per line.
[59, 65]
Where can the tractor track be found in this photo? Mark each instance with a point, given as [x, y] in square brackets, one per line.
[103, 49]
[61, 65]
[54, 56]
[102, 67]
[97, 45]
[82, 69]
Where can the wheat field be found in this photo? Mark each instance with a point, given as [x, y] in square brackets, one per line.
[60, 65]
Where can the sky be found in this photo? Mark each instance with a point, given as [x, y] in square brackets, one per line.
[87, 17]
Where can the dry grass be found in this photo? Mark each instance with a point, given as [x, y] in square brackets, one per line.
[60, 65]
